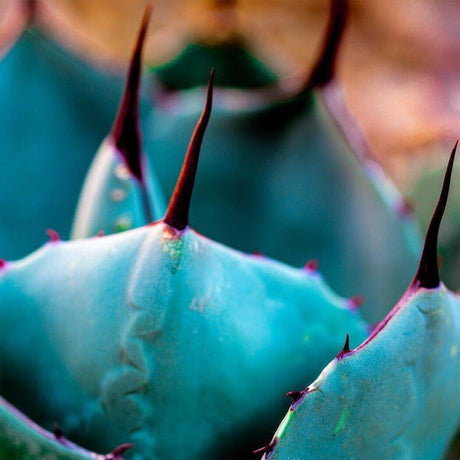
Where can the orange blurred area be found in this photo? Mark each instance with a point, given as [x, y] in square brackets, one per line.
[399, 64]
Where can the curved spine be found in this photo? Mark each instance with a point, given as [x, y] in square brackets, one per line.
[178, 209]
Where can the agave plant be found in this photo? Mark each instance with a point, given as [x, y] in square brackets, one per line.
[275, 154]
[385, 396]
[184, 313]
[449, 236]
[158, 336]
[296, 171]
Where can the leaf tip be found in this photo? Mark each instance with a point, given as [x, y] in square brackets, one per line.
[177, 213]
[427, 275]
[126, 133]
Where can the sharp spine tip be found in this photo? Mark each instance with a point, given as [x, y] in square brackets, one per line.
[324, 69]
[126, 133]
[345, 350]
[178, 209]
[427, 275]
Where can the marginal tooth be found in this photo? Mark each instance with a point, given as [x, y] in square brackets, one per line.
[53, 235]
[345, 350]
[267, 450]
[311, 266]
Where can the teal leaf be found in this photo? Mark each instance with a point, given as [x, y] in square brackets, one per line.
[162, 336]
[396, 394]
[56, 109]
[21, 438]
[121, 191]
[291, 174]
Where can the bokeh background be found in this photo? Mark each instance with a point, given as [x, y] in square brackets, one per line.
[400, 62]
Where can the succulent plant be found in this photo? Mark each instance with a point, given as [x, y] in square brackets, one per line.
[121, 191]
[118, 324]
[159, 336]
[449, 235]
[396, 394]
[296, 171]
[21, 438]
[66, 107]
[275, 155]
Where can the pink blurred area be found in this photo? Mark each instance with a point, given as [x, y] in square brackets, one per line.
[400, 63]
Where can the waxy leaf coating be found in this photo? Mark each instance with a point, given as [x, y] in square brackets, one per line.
[21, 438]
[121, 191]
[280, 179]
[55, 110]
[395, 395]
[161, 336]
[291, 174]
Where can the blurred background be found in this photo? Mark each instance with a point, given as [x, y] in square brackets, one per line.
[399, 64]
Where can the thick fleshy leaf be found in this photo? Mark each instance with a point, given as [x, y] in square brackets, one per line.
[121, 191]
[272, 164]
[292, 175]
[395, 395]
[21, 438]
[283, 180]
[55, 111]
[162, 334]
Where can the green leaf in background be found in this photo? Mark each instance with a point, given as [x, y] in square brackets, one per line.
[292, 176]
[55, 110]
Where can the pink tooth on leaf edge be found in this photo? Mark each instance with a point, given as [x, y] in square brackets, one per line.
[53, 235]
[311, 266]
[267, 450]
